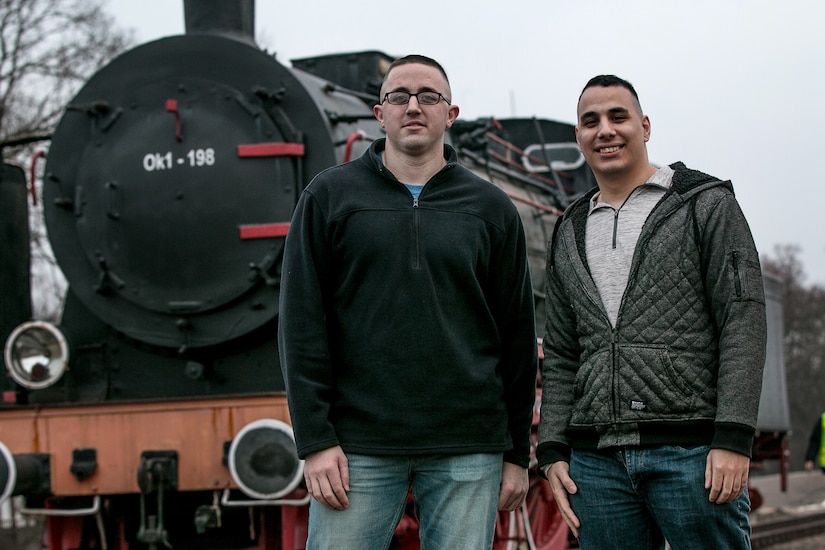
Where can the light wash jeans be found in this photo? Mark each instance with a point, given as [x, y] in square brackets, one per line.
[456, 501]
[638, 497]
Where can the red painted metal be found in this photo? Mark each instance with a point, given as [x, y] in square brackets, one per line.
[264, 230]
[271, 150]
[350, 140]
[172, 107]
[32, 174]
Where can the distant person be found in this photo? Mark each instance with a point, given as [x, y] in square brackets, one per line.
[815, 455]
[654, 345]
[407, 334]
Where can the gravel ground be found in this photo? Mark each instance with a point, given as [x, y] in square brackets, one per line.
[810, 543]
[805, 492]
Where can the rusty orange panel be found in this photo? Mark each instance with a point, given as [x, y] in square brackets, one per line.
[197, 429]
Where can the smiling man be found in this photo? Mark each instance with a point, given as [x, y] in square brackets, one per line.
[654, 345]
[406, 334]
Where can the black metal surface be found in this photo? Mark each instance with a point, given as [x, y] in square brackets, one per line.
[33, 474]
[84, 463]
[220, 17]
[145, 225]
[15, 305]
[361, 72]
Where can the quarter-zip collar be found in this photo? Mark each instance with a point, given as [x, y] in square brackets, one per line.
[375, 158]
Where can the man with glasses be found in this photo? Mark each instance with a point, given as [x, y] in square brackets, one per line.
[406, 334]
[654, 345]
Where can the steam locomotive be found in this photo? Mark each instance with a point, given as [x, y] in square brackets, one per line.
[154, 415]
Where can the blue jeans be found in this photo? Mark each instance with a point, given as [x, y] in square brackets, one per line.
[639, 497]
[456, 501]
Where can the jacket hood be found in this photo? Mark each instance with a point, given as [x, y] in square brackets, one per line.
[688, 182]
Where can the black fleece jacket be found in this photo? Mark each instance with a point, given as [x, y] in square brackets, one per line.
[406, 326]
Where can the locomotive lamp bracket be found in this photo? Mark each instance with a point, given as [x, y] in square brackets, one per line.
[84, 463]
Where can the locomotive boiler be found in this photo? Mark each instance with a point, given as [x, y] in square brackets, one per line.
[154, 414]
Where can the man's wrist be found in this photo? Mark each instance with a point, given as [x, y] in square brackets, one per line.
[545, 470]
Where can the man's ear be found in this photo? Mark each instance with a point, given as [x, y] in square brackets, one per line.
[378, 112]
[452, 114]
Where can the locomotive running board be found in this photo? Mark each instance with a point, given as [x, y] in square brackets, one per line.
[197, 429]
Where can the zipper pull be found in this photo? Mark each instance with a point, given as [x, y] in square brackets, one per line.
[415, 203]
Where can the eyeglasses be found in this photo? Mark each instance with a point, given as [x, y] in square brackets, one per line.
[424, 98]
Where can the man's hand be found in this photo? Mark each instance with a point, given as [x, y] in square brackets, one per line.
[726, 475]
[514, 486]
[562, 485]
[327, 477]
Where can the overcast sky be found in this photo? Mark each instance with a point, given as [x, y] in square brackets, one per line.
[732, 88]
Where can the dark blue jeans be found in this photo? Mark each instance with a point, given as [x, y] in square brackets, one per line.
[639, 497]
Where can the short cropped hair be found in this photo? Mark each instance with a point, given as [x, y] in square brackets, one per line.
[416, 58]
[610, 80]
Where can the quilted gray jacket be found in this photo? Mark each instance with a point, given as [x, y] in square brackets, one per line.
[683, 365]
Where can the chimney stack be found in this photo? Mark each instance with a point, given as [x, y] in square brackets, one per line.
[232, 18]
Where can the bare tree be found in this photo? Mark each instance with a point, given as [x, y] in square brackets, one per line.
[804, 319]
[48, 49]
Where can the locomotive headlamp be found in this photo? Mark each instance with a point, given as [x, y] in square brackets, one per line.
[36, 354]
[263, 460]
